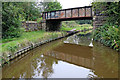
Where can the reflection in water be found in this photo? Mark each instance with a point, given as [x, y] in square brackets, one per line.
[91, 45]
[79, 40]
[44, 67]
[65, 59]
[70, 53]
[33, 65]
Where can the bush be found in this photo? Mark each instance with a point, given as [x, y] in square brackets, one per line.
[12, 15]
[109, 35]
[10, 21]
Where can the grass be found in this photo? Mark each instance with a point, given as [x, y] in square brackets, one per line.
[10, 46]
[80, 27]
[26, 39]
[86, 32]
[7, 40]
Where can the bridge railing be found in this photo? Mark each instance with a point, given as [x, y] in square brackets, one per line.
[69, 13]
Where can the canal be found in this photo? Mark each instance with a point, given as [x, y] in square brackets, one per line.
[76, 56]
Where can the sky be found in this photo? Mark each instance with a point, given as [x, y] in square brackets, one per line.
[74, 3]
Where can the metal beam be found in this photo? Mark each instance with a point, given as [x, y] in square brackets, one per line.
[65, 14]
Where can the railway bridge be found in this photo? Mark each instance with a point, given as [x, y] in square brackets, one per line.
[69, 14]
[53, 18]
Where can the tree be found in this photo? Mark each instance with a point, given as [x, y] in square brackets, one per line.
[50, 6]
[30, 11]
[10, 20]
[12, 15]
[112, 11]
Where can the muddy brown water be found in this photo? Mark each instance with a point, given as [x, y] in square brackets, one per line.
[72, 57]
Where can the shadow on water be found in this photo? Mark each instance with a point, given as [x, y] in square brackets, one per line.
[73, 57]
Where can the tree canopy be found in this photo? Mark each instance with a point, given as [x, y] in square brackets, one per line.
[13, 13]
[50, 6]
[112, 11]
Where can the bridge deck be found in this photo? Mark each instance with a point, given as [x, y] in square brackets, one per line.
[67, 14]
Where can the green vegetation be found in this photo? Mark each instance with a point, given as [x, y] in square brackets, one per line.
[13, 36]
[85, 32]
[50, 6]
[13, 13]
[84, 21]
[109, 33]
[10, 21]
[112, 10]
[69, 25]
[109, 36]
[80, 27]
[27, 39]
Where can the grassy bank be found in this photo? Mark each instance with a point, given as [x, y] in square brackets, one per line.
[78, 27]
[26, 39]
[85, 32]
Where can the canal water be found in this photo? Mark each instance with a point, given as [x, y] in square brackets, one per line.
[76, 56]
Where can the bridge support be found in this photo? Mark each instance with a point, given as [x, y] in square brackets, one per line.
[99, 18]
[53, 25]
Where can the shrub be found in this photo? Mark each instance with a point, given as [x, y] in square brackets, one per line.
[10, 21]
[109, 35]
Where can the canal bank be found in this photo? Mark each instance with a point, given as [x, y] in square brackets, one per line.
[9, 57]
[70, 57]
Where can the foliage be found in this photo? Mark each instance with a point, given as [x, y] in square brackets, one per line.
[28, 38]
[69, 25]
[50, 6]
[113, 12]
[10, 20]
[83, 21]
[109, 9]
[39, 20]
[31, 11]
[82, 28]
[13, 13]
[108, 35]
